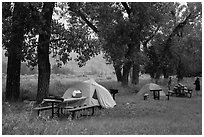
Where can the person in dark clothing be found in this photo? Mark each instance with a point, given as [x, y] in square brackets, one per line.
[197, 84]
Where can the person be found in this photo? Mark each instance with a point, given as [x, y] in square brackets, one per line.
[169, 83]
[197, 84]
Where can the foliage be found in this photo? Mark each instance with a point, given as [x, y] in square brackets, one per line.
[180, 23]
[75, 36]
[94, 26]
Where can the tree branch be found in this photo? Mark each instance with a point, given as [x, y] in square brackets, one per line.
[150, 37]
[128, 10]
[180, 26]
[175, 32]
[80, 14]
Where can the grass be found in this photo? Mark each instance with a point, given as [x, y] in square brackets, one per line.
[131, 116]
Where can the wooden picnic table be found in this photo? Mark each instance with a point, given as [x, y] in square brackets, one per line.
[156, 93]
[59, 104]
[54, 104]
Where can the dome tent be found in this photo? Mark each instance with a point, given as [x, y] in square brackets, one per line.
[151, 86]
[95, 93]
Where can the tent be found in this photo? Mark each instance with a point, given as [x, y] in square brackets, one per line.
[95, 93]
[151, 86]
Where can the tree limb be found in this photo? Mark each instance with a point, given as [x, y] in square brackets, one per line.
[80, 14]
[128, 10]
[149, 38]
[180, 26]
[175, 32]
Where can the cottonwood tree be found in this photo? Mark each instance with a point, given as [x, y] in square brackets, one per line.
[13, 38]
[39, 39]
[121, 34]
[26, 23]
[186, 14]
[43, 51]
[54, 38]
[178, 17]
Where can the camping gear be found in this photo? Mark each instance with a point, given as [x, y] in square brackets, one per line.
[146, 89]
[95, 93]
[181, 90]
[76, 94]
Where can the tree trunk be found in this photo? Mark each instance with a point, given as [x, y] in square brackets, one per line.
[180, 70]
[43, 53]
[118, 72]
[135, 73]
[136, 64]
[126, 71]
[14, 54]
[128, 64]
[165, 73]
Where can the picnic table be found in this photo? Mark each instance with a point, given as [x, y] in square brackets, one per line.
[181, 90]
[59, 104]
[156, 93]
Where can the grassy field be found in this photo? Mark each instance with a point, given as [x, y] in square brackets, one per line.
[131, 116]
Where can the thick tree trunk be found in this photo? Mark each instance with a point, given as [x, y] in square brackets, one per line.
[135, 73]
[180, 70]
[165, 73]
[43, 53]
[126, 71]
[14, 54]
[13, 77]
[136, 64]
[118, 72]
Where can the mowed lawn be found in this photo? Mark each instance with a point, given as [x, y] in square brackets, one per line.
[131, 116]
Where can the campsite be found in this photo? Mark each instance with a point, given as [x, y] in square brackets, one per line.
[132, 115]
[101, 68]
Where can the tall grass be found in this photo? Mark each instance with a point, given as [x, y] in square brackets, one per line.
[132, 115]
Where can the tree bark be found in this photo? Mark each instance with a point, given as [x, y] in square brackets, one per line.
[135, 73]
[126, 71]
[14, 54]
[43, 52]
[165, 73]
[118, 72]
[136, 63]
[180, 70]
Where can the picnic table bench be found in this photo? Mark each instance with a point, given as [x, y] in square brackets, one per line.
[82, 108]
[53, 106]
[181, 91]
[72, 105]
